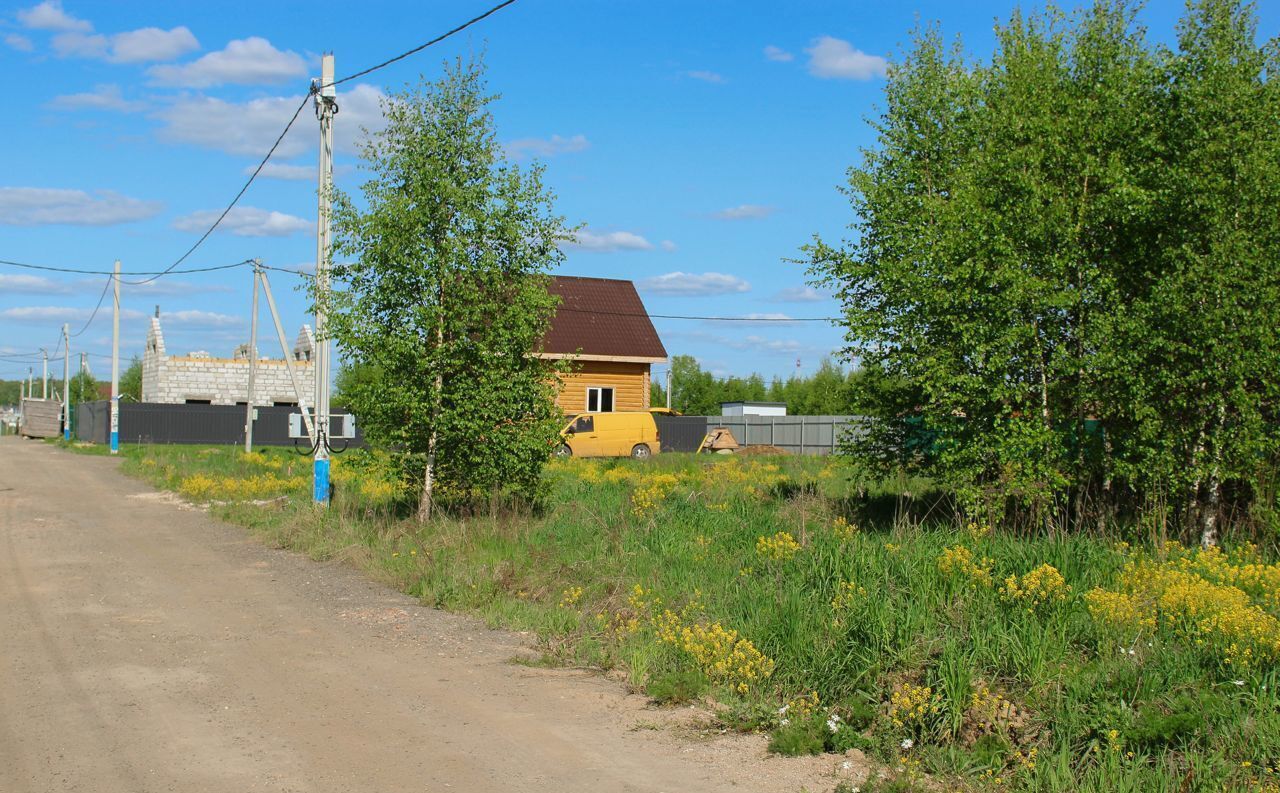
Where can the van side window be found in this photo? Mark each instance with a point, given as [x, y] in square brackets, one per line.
[584, 424]
[600, 400]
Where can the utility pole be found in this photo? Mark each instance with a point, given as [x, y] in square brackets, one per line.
[668, 388]
[253, 358]
[115, 360]
[44, 362]
[326, 106]
[84, 363]
[66, 384]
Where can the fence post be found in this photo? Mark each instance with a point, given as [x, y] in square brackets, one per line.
[802, 434]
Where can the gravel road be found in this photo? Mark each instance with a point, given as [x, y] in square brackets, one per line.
[146, 647]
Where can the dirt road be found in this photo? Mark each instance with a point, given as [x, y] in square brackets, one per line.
[146, 647]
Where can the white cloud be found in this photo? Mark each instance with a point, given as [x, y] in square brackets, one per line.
[60, 313]
[799, 294]
[50, 16]
[200, 319]
[102, 97]
[694, 284]
[41, 206]
[280, 170]
[134, 46]
[706, 77]
[165, 287]
[604, 241]
[765, 319]
[668, 245]
[251, 127]
[546, 147]
[19, 42]
[745, 212]
[761, 343]
[774, 53]
[833, 58]
[32, 284]
[753, 343]
[251, 61]
[81, 45]
[244, 222]
[152, 44]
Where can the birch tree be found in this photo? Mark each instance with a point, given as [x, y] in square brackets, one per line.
[440, 290]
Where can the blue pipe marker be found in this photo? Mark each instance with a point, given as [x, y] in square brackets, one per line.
[321, 481]
[115, 425]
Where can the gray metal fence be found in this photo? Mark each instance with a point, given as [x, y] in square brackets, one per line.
[205, 424]
[792, 434]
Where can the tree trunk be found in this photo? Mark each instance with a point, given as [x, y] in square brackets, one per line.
[427, 503]
[1209, 513]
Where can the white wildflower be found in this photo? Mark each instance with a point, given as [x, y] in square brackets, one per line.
[783, 722]
[1238, 682]
[907, 743]
[833, 723]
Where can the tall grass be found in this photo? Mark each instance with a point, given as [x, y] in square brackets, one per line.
[832, 613]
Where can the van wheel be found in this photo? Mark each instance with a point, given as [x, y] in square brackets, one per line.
[640, 452]
[564, 451]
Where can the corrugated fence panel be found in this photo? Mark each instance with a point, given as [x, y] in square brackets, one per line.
[205, 424]
[792, 434]
[681, 433]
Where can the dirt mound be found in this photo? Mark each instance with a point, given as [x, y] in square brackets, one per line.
[762, 449]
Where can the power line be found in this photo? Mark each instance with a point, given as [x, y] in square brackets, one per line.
[420, 47]
[101, 297]
[75, 271]
[693, 316]
[234, 201]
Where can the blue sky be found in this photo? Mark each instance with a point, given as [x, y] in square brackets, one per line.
[701, 144]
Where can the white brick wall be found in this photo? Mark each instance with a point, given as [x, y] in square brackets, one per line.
[223, 381]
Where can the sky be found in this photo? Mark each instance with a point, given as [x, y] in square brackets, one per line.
[699, 145]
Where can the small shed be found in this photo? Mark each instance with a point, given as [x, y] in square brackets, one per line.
[41, 418]
[753, 408]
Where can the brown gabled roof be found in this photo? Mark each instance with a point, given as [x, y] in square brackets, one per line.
[600, 316]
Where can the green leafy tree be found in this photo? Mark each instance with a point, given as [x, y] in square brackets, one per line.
[442, 291]
[1063, 265]
[131, 380]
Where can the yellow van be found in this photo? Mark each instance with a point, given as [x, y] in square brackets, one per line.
[610, 435]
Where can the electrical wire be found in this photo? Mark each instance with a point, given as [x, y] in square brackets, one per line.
[420, 47]
[234, 201]
[101, 297]
[47, 268]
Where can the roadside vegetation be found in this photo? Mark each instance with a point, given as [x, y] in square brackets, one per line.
[795, 597]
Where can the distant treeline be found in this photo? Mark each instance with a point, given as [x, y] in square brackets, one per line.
[697, 392]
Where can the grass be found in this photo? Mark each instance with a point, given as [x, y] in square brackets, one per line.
[830, 613]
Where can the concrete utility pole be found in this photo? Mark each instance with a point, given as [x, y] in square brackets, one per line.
[66, 384]
[253, 358]
[44, 362]
[668, 388]
[326, 106]
[115, 360]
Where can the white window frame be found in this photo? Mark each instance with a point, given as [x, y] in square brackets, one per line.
[599, 395]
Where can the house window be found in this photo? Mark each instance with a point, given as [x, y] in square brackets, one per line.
[599, 400]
